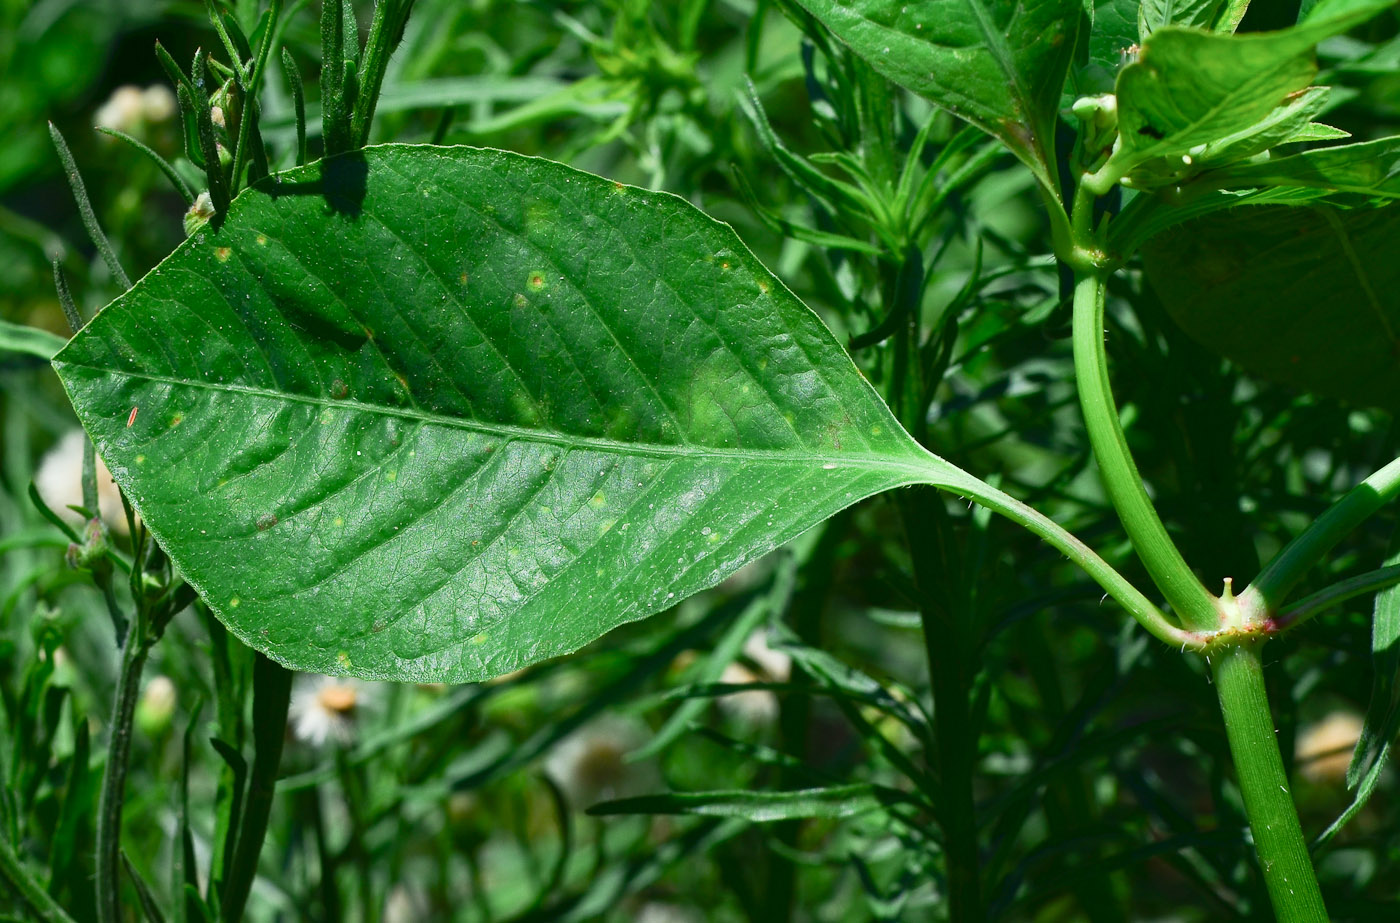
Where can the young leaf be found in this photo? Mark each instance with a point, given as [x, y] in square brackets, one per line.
[1000, 64]
[1370, 169]
[1154, 14]
[32, 341]
[1190, 88]
[1303, 296]
[437, 413]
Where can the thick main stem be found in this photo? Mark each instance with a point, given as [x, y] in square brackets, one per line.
[1278, 837]
[1194, 605]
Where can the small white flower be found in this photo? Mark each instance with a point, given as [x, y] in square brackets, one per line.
[326, 708]
[657, 912]
[157, 103]
[755, 706]
[752, 706]
[1324, 748]
[124, 110]
[59, 481]
[776, 665]
[591, 764]
[404, 905]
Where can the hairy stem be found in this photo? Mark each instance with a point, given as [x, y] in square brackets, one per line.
[113, 794]
[1192, 602]
[1278, 837]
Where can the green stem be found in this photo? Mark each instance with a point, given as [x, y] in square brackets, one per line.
[1335, 594]
[1195, 606]
[1052, 533]
[385, 32]
[29, 890]
[1278, 837]
[1271, 587]
[948, 646]
[272, 689]
[113, 794]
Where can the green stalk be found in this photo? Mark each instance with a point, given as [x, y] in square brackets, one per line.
[1278, 837]
[1335, 595]
[948, 646]
[1280, 575]
[39, 901]
[1194, 605]
[113, 794]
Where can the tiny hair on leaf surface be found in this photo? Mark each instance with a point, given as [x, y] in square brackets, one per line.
[426, 413]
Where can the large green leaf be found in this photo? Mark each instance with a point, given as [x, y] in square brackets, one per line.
[437, 413]
[1191, 87]
[1305, 296]
[1000, 64]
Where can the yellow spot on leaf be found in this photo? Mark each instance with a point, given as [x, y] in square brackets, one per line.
[233, 603]
[223, 253]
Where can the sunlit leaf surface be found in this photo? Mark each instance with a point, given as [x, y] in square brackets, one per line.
[442, 412]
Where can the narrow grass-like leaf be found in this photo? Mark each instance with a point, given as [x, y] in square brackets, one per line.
[31, 341]
[763, 807]
[161, 163]
[1382, 721]
[1370, 169]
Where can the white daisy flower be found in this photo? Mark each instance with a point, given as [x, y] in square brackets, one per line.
[157, 103]
[123, 111]
[756, 706]
[59, 481]
[326, 708]
[1324, 747]
[591, 765]
[752, 706]
[776, 665]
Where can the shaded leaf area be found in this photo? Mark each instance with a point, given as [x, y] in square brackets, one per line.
[442, 412]
[1302, 296]
[1000, 64]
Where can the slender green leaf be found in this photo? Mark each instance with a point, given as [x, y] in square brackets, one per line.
[1000, 64]
[1370, 169]
[762, 807]
[461, 410]
[19, 338]
[1382, 722]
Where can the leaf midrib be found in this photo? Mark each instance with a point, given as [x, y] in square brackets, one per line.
[509, 432]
